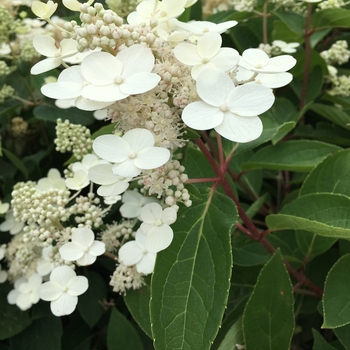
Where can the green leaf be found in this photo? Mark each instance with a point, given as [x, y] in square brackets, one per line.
[196, 165]
[137, 301]
[294, 21]
[294, 155]
[16, 162]
[268, 319]
[105, 130]
[191, 280]
[328, 18]
[336, 297]
[44, 333]
[51, 113]
[121, 334]
[281, 31]
[233, 336]
[320, 343]
[331, 175]
[334, 114]
[343, 334]
[12, 319]
[324, 214]
[282, 131]
[89, 305]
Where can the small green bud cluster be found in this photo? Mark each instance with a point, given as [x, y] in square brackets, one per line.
[341, 86]
[8, 25]
[6, 91]
[329, 4]
[338, 53]
[4, 68]
[28, 52]
[123, 8]
[73, 138]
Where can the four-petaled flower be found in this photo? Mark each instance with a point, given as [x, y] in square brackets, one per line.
[42, 10]
[232, 111]
[131, 153]
[83, 248]
[156, 227]
[63, 290]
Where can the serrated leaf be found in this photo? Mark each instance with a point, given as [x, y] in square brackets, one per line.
[121, 334]
[44, 333]
[89, 305]
[331, 175]
[294, 155]
[137, 301]
[324, 214]
[233, 336]
[333, 114]
[327, 18]
[336, 297]
[188, 300]
[320, 343]
[268, 319]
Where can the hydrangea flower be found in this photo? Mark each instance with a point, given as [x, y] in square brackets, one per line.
[4, 207]
[42, 10]
[156, 227]
[53, 180]
[10, 224]
[83, 248]
[74, 5]
[285, 47]
[206, 54]
[131, 153]
[46, 46]
[26, 292]
[232, 111]
[133, 202]
[63, 290]
[135, 253]
[45, 265]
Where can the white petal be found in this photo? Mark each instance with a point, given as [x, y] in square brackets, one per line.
[201, 116]
[187, 54]
[68, 47]
[139, 139]
[78, 285]
[130, 253]
[159, 238]
[106, 93]
[152, 158]
[62, 275]
[256, 58]
[130, 210]
[151, 212]
[139, 83]
[102, 174]
[45, 65]
[136, 59]
[146, 264]
[280, 64]
[23, 302]
[273, 81]
[111, 148]
[72, 74]
[169, 216]
[126, 169]
[71, 251]
[213, 86]
[209, 45]
[12, 296]
[240, 129]
[90, 105]
[61, 90]
[144, 228]
[226, 59]
[101, 68]
[86, 259]
[133, 197]
[97, 248]
[113, 190]
[50, 291]
[83, 236]
[64, 305]
[250, 100]
[45, 45]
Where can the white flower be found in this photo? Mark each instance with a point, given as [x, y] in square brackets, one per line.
[133, 203]
[4, 207]
[273, 81]
[113, 78]
[257, 60]
[69, 86]
[83, 249]
[156, 227]
[45, 264]
[149, 11]
[63, 290]
[109, 200]
[74, 5]
[111, 184]
[198, 28]
[46, 46]
[10, 224]
[231, 111]
[42, 10]
[53, 180]
[285, 47]
[131, 153]
[26, 292]
[135, 253]
[206, 54]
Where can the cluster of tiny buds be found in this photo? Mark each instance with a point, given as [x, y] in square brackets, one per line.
[104, 28]
[168, 180]
[6, 91]
[338, 53]
[124, 278]
[73, 138]
[87, 211]
[116, 234]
